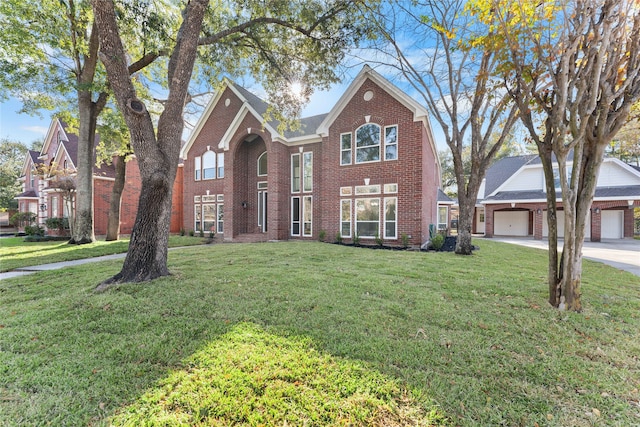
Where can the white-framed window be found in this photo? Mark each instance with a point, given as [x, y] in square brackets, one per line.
[307, 170]
[262, 164]
[295, 216]
[220, 165]
[391, 188]
[208, 198]
[220, 198]
[262, 185]
[196, 199]
[295, 173]
[209, 165]
[345, 218]
[220, 218]
[197, 217]
[443, 215]
[345, 149]
[368, 217]
[54, 206]
[391, 142]
[368, 143]
[197, 165]
[346, 191]
[390, 218]
[208, 217]
[368, 189]
[307, 216]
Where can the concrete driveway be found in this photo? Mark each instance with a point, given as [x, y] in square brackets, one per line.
[623, 254]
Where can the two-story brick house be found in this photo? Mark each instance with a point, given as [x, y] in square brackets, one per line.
[57, 160]
[368, 167]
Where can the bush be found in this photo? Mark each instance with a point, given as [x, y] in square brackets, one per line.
[378, 239]
[405, 240]
[191, 233]
[356, 239]
[437, 241]
[338, 237]
[20, 219]
[34, 230]
[57, 223]
[322, 235]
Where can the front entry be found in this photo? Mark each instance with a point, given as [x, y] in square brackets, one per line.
[262, 210]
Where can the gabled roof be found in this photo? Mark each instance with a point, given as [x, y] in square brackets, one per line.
[32, 158]
[419, 112]
[505, 168]
[29, 194]
[312, 128]
[444, 199]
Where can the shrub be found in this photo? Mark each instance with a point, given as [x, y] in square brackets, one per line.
[339, 237]
[20, 219]
[182, 232]
[356, 239]
[378, 239]
[437, 241]
[201, 233]
[405, 240]
[191, 233]
[57, 223]
[34, 230]
[322, 235]
[212, 234]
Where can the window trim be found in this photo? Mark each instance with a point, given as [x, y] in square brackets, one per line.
[378, 145]
[350, 221]
[220, 218]
[295, 211]
[349, 150]
[197, 164]
[307, 178]
[306, 211]
[296, 179]
[264, 153]
[209, 154]
[368, 222]
[220, 165]
[394, 144]
[385, 221]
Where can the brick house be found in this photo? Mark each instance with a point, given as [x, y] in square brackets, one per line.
[59, 153]
[512, 200]
[367, 167]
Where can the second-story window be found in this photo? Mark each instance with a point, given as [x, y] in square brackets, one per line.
[209, 165]
[262, 164]
[368, 143]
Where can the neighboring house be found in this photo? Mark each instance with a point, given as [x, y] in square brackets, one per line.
[58, 159]
[367, 167]
[512, 200]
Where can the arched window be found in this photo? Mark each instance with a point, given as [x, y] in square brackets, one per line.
[368, 143]
[262, 164]
[209, 165]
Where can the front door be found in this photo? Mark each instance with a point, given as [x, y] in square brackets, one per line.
[262, 210]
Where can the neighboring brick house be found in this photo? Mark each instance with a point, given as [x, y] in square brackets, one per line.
[512, 200]
[367, 167]
[59, 155]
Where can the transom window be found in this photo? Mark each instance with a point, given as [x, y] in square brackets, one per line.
[369, 217]
[262, 164]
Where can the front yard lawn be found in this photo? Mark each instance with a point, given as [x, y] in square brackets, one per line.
[16, 253]
[306, 333]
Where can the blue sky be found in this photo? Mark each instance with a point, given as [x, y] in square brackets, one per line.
[22, 127]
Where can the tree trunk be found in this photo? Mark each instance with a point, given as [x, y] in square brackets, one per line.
[157, 156]
[83, 229]
[465, 223]
[113, 222]
[147, 255]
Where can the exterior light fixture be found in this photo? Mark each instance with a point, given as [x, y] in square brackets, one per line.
[43, 207]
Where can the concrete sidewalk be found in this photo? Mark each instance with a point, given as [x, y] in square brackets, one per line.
[623, 254]
[57, 265]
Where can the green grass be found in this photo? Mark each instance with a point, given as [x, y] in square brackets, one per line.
[16, 253]
[319, 334]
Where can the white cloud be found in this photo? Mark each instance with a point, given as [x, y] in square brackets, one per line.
[35, 129]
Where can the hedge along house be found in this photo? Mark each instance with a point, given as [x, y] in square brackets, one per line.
[368, 168]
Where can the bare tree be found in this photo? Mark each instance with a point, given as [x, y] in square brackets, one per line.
[455, 80]
[574, 72]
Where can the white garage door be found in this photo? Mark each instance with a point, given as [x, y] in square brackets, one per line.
[511, 223]
[560, 220]
[612, 224]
